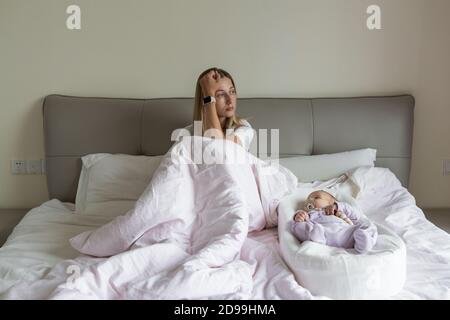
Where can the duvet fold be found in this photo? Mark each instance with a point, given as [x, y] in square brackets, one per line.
[184, 236]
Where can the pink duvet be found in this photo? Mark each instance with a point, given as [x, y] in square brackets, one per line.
[186, 237]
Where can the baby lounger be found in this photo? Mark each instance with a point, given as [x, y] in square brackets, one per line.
[340, 273]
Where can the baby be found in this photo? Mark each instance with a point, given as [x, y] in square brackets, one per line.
[333, 223]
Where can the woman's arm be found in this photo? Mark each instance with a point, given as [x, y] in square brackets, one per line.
[211, 120]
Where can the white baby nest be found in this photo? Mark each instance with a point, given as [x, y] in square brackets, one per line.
[340, 273]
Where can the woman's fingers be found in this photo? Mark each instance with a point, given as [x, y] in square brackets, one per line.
[213, 74]
[208, 82]
[210, 76]
[216, 75]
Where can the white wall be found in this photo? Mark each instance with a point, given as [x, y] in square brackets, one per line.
[290, 48]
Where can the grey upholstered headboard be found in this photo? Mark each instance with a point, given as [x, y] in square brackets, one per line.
[76, 126]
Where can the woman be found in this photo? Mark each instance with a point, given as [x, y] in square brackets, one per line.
[183, 238]
[215, 106]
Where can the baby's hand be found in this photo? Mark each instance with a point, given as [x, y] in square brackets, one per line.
[330, 210]
[301, 216]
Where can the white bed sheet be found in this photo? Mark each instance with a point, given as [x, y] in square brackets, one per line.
[40, 241]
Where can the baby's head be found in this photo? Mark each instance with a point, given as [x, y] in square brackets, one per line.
[319, 199]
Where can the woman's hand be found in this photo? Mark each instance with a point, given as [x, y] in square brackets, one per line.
[209, 83]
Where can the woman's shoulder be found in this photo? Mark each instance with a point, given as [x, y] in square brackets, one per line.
[245, 123]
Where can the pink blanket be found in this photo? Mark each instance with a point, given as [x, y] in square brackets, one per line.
[185, 238]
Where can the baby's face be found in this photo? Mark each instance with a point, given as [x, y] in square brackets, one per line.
[318, 199]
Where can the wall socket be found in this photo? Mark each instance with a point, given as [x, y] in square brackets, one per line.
[34, 167]
[18, 166]
[28, 166]
[447, 167]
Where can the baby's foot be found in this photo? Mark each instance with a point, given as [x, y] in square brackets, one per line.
[364, 240]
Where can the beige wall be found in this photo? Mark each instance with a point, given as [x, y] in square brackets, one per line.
[432, 114]
[295, 48]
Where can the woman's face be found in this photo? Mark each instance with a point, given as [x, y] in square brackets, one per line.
[225, 98]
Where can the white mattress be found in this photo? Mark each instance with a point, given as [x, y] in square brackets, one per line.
[41, 240]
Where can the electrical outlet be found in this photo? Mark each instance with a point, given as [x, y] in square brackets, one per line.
[18, 166]
[34, 166]
[447, 167]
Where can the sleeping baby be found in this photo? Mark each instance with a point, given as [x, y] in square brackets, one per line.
[338, 224]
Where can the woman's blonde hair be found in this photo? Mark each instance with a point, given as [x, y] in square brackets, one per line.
[230, 123]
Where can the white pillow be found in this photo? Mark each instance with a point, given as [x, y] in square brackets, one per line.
[327, 166]
[110, 184]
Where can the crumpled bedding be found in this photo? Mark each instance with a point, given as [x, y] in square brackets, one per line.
[184, 237]
[226, 248]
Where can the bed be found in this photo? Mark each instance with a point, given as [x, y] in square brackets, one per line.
[78, 126]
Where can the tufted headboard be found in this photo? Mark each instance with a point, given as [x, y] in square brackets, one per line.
[76, 126]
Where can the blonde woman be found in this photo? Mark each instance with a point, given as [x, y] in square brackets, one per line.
[215, 106]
